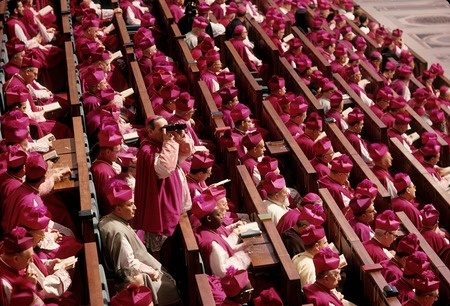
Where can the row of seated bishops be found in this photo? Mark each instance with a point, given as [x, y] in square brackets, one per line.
[167, 176]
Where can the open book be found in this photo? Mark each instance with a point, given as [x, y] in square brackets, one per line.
[46, 139]
[249, 230]
[52, 155]
[127, 92]
[116, 55]
[67, 263]
[32, 268]
[51, 107]
[130, 136]
[45, 10]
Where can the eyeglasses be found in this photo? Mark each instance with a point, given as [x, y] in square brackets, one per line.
[393, 234]
[247, 291]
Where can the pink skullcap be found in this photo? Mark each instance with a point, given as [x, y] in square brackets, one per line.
[398, 102]
[90, 21]
[286, 99]
[328, 86]
[212, 56]
[203, 8]
[18, 240]
[279, 25]
[239, 29]
[170, 92]
[317, 22]
[200, 22]
[145, 43]
[30, 60]
[128, 157]
[324, 5]
[311, 198]
[416, 263]
[147, 20]
[107, 95]
[109, 136]
[303, 62]
[218, 193]
[341, 50]
[268, 297]
[16, 156]
[348, 5]
[387, 40]
[430, 215]
[401, 181]
[360, 43]
[329, 41]
[225, 77]
[267, 164]
[409, 244]
[377, 150]
[390, 66]
[406, 58]
[228, 93]
[326, 260]
[313, 214]
[359, 205]
[252, 139]
[341, 164]
[273, 183]
[94, 75]
[34, 217]
[100, 55]
[375, 56]
[387, 221]
[397, 33]
[432, 103]
[240, 112]
[133, 296]
[353, 57]
[356, 115]
[339, 17]
[426, 282]
[381, 32]
[427, 74]
[295, 43]
[317, 76]
[367, 187]
[141, 34]
[345, 30]
[426, 136]
[312, 234]
[241, 9]
[404, 70]
[313, 122]
[431, 148]
[421, 94]
[436, 68]
[202, 160]
[35, 166]
[119, 193]
[298, 106]
[385, 93]
[207, 44]
[336, 98]
[322, 146]
[16, 94]
[234, 281]
[184, 103]
[161, 78]
[276, 83]
[351, 71]
[402, 118]
[202, 205]
[14, 45]
[232, 8]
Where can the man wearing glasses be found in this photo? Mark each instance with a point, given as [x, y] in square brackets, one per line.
[426, 288]
[386, 224]
[406, 191]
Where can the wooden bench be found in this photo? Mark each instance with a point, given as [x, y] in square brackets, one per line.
[183, 57]
[72, 91]
[295, 84]
[313, 53]
[289, 283]
[363, 276]
[250, 92]
[360, 169]
[426, 185]
[66, 27]
[163, 15]
[191, 258]
[374, 128]
[439, 267]
[203, 290]
[125, 43]
[297, 167]
[145, 106]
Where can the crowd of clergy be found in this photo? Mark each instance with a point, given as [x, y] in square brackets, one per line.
[143, 189]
